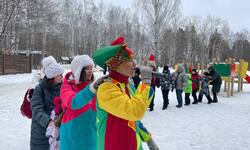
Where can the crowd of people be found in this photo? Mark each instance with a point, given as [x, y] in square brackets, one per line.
[79, 112]
[187, 81]
[69, 113]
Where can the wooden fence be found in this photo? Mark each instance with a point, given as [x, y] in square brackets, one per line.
[12, 64]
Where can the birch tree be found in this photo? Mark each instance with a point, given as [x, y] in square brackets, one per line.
[158, 16]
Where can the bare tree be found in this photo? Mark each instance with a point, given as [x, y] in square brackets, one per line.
[158, 16]
[6, 17]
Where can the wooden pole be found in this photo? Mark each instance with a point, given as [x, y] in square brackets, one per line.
[30, 62]
[225, 85]
[241, 84]
[3, 65]
[232, 86]
[228, 87]
[239, 78]
[231, 77]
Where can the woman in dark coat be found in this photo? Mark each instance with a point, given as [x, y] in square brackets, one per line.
[42, 105]
[216, 82]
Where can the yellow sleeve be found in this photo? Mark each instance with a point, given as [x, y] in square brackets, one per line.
[114, 101]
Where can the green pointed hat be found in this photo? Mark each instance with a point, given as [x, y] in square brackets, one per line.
[101, 55]
[112, 56]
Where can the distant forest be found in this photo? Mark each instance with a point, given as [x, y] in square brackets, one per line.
[73, 27]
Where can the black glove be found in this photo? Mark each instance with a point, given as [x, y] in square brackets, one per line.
[151, 145]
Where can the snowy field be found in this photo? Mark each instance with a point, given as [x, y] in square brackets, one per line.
[221, 126]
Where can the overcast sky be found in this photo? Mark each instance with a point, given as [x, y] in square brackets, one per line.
[236, 12]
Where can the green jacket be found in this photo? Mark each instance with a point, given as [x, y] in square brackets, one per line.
[188, 88]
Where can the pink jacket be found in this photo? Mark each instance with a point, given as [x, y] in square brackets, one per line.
[68, 91]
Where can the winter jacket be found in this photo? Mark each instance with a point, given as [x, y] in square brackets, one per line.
[180, 80]
[216, 80]
[77, 130]
[119, 112]
[155, 81]
[204, 85]
[188, 88]
[41, 106]
[136, 80]
[167, 82]
[195, 81]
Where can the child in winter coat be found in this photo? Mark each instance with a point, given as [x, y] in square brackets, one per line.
[167, 84]
[180, 83]
[188, 90]
[195, 84]
[204, 89]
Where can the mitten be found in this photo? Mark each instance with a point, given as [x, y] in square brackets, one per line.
[152, 145]
[57, 104]
[94, 85]
[59, 119]
[99, 81]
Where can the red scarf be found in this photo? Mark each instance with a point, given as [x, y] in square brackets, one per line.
[120, 78]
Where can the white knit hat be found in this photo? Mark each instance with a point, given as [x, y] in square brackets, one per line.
[53, 70]
[79, 62]
[46, 61]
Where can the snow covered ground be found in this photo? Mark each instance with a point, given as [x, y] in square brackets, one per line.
[221, 126]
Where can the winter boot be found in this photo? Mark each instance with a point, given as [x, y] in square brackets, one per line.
[215, 97]
[195, 102]
[151, 109]
[178, 106]
[164, 107]
[209, 99]
[200, 98]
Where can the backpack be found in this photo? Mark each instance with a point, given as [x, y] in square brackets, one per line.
[25, 107]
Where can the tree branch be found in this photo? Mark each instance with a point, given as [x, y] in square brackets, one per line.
[7, 21]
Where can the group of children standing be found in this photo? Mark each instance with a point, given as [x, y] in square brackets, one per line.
[194, 83]
[189, 83]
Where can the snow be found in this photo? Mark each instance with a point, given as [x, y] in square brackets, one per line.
[221, 126]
